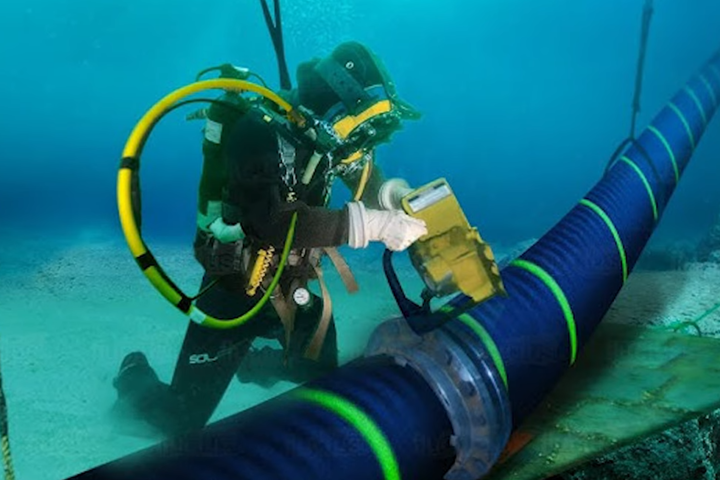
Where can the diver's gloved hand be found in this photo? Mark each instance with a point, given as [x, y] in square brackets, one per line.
[212, 221]
[392, 192]
[394, 228]
[213, 211]
[226, 233]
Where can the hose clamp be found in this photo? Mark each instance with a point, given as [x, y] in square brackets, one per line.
[464, 379]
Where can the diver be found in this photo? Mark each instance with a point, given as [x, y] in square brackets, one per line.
[256, 178]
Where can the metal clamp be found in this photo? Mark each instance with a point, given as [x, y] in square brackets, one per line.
[465, 381]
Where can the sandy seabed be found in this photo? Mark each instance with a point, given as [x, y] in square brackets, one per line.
[73, 309]
[70, 313]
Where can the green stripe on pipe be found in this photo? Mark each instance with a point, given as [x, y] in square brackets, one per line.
[697, 101]
[675, 109]
[710, 89]
[618, 241]
[487, 342]
[669, 150]
[559, 296]
[365, 426]
[484, 337]
[642, 176]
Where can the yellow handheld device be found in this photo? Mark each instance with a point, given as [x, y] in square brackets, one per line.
[452, 257]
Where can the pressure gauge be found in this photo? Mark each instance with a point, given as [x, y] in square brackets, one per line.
[301, 296]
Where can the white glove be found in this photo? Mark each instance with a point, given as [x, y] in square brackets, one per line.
[212, 222]
[214, 211]
[394, 228]
[225, 233]
[392, 192]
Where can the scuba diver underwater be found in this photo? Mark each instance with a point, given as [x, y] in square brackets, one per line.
[264, 224]
[256, 177]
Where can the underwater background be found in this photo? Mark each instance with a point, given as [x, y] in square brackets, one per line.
[523, 103]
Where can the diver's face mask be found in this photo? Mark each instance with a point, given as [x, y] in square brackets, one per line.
[363, 119]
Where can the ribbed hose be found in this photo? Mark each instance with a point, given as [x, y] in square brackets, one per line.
[369, 420]
[377, 420]
[561, 288]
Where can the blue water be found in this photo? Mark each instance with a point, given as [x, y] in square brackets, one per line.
[524, 101]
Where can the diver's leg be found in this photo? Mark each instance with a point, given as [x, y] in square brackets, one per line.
[307, 321]
[267, 365]
[207, 361]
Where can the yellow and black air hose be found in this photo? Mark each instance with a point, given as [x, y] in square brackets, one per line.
[128, 199]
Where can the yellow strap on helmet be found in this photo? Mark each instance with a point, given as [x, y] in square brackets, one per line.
[346, 125]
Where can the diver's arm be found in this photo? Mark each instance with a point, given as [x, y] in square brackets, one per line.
[254, 199]
[315, 226]
[353, 225]
[211, 185]
[214, 176]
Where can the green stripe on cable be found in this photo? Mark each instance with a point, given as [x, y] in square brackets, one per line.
[669, 150]
[698, 103]
[550, 282]
[642, 176]
[486, 340]
[680, 115]
[710, 89]
[618, 241]
[365, 426]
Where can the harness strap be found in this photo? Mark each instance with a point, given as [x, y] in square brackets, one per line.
[312, 351]
[343, 269]
[286, 310]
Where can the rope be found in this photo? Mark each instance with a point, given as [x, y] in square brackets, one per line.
[677, 326]
[276, 34]
[4, 436]
[640, 71]
[645, 32]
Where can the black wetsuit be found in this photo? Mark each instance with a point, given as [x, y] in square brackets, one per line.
[245, 172]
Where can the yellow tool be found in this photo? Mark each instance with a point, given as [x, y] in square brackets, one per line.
[262, 265]
[452, 257]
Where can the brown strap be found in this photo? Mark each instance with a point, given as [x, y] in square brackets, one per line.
[318, 339]
[286, 310]
[343, 269]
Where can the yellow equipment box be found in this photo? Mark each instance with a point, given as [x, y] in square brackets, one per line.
[452, 257]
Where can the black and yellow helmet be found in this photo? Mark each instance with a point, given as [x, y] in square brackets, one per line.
[352, 92]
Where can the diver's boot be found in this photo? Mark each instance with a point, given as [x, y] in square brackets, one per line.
[144, 401]
[135, 376]
[137, 387]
